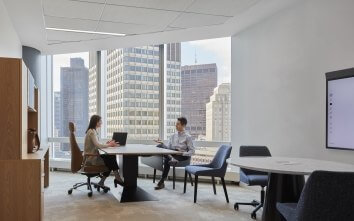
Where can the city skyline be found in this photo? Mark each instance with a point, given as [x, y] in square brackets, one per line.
[216, 50]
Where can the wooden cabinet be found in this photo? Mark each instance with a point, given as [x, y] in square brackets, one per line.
[23, 175]
[11, 87]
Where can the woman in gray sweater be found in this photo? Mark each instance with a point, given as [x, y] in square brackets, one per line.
[92, 145]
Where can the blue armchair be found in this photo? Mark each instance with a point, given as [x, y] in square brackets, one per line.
[252, 177]
[217, 168]
[326, 196]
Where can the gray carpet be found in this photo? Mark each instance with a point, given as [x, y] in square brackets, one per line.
[172, 204]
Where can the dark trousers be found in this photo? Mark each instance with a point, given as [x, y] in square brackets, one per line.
[166, 166]
[111, 163]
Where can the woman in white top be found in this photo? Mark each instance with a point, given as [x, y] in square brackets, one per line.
[92, 145]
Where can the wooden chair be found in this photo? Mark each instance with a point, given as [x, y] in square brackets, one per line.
[78, 165]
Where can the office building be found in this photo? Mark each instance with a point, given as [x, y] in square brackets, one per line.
[57, 118]
[173, 87]
[133, 87]
[92, 84]
[197, 83]
[74, 98]
[132, 94]
[218, 114]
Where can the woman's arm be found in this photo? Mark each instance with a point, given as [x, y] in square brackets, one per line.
[95, 142]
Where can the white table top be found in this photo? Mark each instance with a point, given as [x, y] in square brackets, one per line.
[286, 165]
[138, 149]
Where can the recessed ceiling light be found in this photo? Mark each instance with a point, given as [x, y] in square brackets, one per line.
[87, 32]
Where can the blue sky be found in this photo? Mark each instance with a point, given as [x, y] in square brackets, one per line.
[216, 50]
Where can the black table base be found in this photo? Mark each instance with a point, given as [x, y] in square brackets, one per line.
[131, 192]
[135, 194]
[281, 188]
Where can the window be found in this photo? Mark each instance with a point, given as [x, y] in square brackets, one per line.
[196, 85]
[198, 80]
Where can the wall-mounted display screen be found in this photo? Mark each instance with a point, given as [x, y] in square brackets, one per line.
[340, 109]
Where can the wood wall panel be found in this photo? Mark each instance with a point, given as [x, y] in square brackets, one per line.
[10, 109]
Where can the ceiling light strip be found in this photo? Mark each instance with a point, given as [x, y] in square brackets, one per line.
[86, 32]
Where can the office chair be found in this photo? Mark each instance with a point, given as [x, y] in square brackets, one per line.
[326, 196]
[252, 177]
[78, 165]
[217, 168]
[156, 162]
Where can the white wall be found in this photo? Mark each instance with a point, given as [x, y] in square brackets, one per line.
[278, 78]
[10, 45]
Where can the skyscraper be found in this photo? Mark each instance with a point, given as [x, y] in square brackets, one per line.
[57, 119]
[132, 91]
[92, 83]
[74, 98]
[218, 114]
[173, 87]
[198, 83]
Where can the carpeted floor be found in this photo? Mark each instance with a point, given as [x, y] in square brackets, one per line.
[172, 204]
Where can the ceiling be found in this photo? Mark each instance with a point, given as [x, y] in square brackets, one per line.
[142, 21]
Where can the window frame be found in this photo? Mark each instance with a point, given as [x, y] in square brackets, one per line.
[102, 108]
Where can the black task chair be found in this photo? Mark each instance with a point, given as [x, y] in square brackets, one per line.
[217, 168]
[156, 162]
[253, 178]
[78, 165]
[326, 196]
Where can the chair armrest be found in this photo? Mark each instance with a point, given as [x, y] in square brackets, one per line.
[201, 165]
[90, 154]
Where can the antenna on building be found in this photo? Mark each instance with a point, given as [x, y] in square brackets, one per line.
[195, 56]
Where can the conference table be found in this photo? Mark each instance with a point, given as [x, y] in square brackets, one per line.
[129, 164]
[285, 178]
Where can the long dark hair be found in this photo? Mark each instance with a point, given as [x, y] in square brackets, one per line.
[93, 122]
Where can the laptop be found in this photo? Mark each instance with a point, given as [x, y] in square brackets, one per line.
[120, 137]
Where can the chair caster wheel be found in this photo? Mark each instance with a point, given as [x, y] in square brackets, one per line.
[105, 190]
[236, 206]
[70, 192]
[253, 216]
[89, 194]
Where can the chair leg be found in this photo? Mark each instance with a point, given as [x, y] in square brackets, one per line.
[195, 188]
[262, 195]
[254, 203]
[190, 178]
[213, 180]
[185, 181]
[154, 178]
[89, 186]
[79, 185]
[174, 177]
[225, 191]
[88, 183]
[260, 205]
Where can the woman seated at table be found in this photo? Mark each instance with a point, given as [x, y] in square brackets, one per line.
[91, 147]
